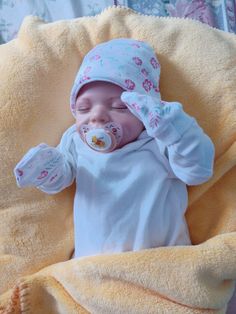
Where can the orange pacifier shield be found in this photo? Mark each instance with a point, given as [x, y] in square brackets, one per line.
[103, 139]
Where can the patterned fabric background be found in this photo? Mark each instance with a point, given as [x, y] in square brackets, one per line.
[217, 13]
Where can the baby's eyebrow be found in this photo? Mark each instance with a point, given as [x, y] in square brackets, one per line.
[83, 99]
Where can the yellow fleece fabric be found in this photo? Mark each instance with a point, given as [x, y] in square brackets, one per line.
[36, 230]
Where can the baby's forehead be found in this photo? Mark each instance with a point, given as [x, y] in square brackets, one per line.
[104, 90]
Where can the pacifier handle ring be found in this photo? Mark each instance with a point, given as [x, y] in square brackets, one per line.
[102, 139]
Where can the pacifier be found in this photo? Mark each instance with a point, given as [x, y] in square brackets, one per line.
[102, 139]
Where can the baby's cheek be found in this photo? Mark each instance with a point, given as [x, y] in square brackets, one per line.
[136, 124]
[80, 119]
[78, 124]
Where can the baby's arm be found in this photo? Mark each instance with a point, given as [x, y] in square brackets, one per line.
[48, 168]
[189, 150]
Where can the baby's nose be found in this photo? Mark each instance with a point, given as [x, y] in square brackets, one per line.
[99, 115]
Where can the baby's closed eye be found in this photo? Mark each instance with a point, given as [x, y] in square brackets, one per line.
[83, 107]
[119, 105]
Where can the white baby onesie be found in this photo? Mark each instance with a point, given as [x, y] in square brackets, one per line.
[134, 197]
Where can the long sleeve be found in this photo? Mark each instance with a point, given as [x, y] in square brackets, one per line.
[64, 175]
[189, 150]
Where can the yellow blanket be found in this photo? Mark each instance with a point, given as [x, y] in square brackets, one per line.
[36, 230]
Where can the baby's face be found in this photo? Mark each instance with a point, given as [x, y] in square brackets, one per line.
[99, 103]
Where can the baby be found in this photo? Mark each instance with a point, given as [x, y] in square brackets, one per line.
[130, 153]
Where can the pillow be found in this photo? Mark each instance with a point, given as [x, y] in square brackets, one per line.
[37, 71]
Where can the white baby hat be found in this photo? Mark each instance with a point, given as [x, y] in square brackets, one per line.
[129, 63]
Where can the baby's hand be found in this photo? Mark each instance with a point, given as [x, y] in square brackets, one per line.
[38, 165]
[152, 111]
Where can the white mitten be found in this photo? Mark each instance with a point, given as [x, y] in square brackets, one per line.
[153, 112]
[40, 164]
